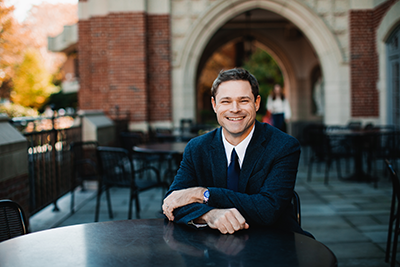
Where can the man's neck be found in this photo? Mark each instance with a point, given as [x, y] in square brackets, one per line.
[236, 139]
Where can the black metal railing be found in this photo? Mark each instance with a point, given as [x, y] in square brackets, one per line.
[49, 156]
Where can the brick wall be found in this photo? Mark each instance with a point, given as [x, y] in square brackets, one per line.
[124, 61]
[84, 56]
[364, 60]
[159, 68]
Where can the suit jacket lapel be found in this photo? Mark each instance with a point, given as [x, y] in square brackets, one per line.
[254, 151]
[218, 160]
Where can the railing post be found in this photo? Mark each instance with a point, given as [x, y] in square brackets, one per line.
[31, 167]
[53, 141]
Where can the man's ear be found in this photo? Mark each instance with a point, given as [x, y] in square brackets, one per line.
[258, 101]
[213, 104]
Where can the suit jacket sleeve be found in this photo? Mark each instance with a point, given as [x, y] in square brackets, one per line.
[185, 178]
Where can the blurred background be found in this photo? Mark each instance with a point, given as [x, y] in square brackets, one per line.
[91, 70]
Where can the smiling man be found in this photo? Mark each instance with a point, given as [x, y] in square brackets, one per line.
[241, 174]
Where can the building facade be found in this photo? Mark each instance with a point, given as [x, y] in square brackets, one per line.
[339, 58]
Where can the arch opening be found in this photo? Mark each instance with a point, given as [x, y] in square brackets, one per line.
[317, 46]
[254, 30]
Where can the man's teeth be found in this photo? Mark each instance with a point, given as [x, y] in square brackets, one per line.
[235, 119]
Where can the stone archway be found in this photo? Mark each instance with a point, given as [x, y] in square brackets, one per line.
[389, 23]
[318, 34]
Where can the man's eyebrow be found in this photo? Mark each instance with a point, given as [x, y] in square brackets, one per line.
[240, 97]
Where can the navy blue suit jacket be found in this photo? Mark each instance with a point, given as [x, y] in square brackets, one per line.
[266, 181]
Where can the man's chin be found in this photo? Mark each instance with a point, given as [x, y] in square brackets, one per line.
[235, 132]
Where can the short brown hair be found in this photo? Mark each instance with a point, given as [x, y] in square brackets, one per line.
[236, 74]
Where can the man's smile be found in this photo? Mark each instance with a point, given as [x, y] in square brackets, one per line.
[235, 118]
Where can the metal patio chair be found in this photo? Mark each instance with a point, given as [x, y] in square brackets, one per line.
[394, 218]
[116, 168]
[12, 220]
[84, 161]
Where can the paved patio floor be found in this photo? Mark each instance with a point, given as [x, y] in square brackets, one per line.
[350, 218]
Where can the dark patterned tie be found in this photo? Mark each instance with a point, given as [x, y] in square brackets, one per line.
[233, 172]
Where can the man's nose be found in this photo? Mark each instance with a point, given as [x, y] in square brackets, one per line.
[235, 106]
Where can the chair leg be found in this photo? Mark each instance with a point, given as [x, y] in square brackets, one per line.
[339, 168]
[327, 168]
[134, 194]
[96, 216]
[110, 213]
[389, 240]
[347, 166]
[137, 205]
[390, 230]
[309, 170]
[395, 240]
[73, 195]
[83, 189]
[72, 201]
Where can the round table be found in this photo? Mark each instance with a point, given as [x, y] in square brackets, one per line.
[359, 140]
[157, 242]
[159, 148]
[170, 152]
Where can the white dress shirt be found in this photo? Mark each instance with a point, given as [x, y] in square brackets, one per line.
[240, 148]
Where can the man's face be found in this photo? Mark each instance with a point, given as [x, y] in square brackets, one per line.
[236, 109]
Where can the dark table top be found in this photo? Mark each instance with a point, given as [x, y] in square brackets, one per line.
[167, 148]
[157, 242]
[358, 132]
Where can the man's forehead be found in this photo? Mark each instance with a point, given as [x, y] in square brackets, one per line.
[234, 89]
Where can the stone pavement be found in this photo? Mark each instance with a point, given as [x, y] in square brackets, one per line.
[350, 218]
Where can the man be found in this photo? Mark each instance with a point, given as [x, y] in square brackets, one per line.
[202, 194]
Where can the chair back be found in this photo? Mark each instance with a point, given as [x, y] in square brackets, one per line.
[296, 207]
[395, 180]
[394, 219]
[12, 220]
[84, 159]
[185, 125]
[130, 139]
[354, 125]
[318, 141]
[339, 145]
[115, 166]
[308, 131]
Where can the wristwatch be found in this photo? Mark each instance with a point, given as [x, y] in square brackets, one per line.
[206, 196]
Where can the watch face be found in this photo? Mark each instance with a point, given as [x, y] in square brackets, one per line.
[207, 194]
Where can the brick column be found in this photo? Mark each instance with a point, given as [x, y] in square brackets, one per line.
[363, 65]
[364, 60]
[113, 64]
[159, 67]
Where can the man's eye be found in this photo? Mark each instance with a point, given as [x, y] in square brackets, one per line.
[224, 102]
[244, 101]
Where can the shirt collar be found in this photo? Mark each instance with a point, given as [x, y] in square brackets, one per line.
[240, 148]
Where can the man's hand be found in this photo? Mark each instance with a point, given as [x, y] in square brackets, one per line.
[225, 220]
[180, 198]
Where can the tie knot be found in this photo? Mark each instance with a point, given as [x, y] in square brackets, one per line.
[233, 155]
[234, 158]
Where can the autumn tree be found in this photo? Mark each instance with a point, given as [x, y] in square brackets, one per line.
[267, 73]
[46, 20]
[11, 48]
[32, 81]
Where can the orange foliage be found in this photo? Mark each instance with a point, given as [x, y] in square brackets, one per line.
[11, 47]
[48, 20]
